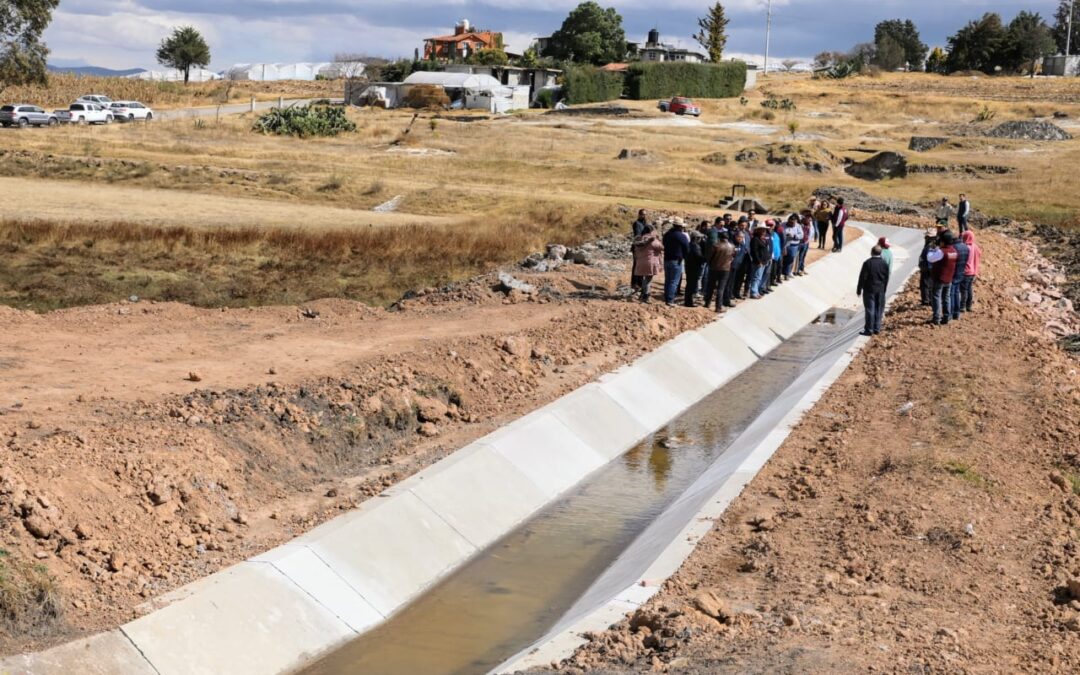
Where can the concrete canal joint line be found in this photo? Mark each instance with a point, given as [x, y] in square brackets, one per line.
[279, 610]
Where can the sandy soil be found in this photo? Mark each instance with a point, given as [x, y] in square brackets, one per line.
[943, 538]
[60, 201]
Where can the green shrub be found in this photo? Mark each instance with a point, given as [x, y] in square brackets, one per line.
[703, 80]
[773, 103]
[585, 84]
[546, 98]
[304, 121]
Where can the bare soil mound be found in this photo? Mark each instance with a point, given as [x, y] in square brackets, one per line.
[809, 157]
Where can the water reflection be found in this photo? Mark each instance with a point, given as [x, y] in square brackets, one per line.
[513, 593]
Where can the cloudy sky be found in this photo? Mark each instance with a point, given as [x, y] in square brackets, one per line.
[125, 33]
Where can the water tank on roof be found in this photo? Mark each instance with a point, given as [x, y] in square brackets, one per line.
[654, 37]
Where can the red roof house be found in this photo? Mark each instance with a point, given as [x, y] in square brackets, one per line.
[463, 43]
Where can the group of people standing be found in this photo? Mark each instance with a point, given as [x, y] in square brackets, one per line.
[948, 268]
[730, 259]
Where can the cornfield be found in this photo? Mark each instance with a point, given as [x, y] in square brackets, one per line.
[63, 88]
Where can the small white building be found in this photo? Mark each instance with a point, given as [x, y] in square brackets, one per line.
[1061, 66]
[655, 51]
[474, 91]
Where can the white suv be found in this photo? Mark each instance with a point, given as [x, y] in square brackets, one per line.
[97, 99]
[129, 111]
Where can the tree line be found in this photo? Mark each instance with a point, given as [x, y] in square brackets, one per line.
[987, 45]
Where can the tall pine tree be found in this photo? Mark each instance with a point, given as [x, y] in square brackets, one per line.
[713, 32]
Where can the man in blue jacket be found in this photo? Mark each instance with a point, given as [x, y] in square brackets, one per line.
[676, 249]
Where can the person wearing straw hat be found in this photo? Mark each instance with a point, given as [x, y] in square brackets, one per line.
[676, 248]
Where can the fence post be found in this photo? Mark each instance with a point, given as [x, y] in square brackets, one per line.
[280, 102]
[252, 104]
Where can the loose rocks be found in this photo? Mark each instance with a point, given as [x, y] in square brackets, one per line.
[1029, 131]
[879, 167]
[925, 143]
[508, 283]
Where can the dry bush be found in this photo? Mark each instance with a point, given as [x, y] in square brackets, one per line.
[427, 96]
[30, 603]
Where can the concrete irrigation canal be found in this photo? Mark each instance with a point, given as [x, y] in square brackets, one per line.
[515, 591]
[502, 555]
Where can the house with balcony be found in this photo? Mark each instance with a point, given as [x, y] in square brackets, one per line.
[656, 51]
[465, 42]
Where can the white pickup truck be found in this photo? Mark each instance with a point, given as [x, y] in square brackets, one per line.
[85, 113]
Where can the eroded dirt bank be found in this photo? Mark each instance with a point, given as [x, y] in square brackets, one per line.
[924, 517]
[147, 445]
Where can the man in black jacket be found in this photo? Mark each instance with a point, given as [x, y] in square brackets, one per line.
[963, 213]
[873, 282]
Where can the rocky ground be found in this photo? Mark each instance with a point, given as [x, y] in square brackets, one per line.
[146, 445]
[924, 517]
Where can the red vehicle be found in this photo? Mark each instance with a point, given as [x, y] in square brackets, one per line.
[680, 105]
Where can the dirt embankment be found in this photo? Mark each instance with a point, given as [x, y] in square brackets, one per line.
[924, 517]
[146, 445]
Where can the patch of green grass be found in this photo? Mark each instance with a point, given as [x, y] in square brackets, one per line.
[1074, 481]
[965, 472]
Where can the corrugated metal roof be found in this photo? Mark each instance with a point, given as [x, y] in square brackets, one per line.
[454, 80]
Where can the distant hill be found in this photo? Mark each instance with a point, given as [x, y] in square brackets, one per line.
[95, 71]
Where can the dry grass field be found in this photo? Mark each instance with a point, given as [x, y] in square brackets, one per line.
[63, 88]
[497, 177]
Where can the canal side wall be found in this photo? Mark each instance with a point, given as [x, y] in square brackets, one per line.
[280, 610]
[641, 570]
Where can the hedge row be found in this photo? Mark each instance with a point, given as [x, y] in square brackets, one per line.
[702, 80]
[584, 84]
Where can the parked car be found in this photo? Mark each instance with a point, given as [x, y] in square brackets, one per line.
[25, 115]
[680, 105]
[85, 113]
[103, 101]
[129, 111]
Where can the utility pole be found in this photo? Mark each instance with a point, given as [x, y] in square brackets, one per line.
[1068, 35]
[768, 36]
